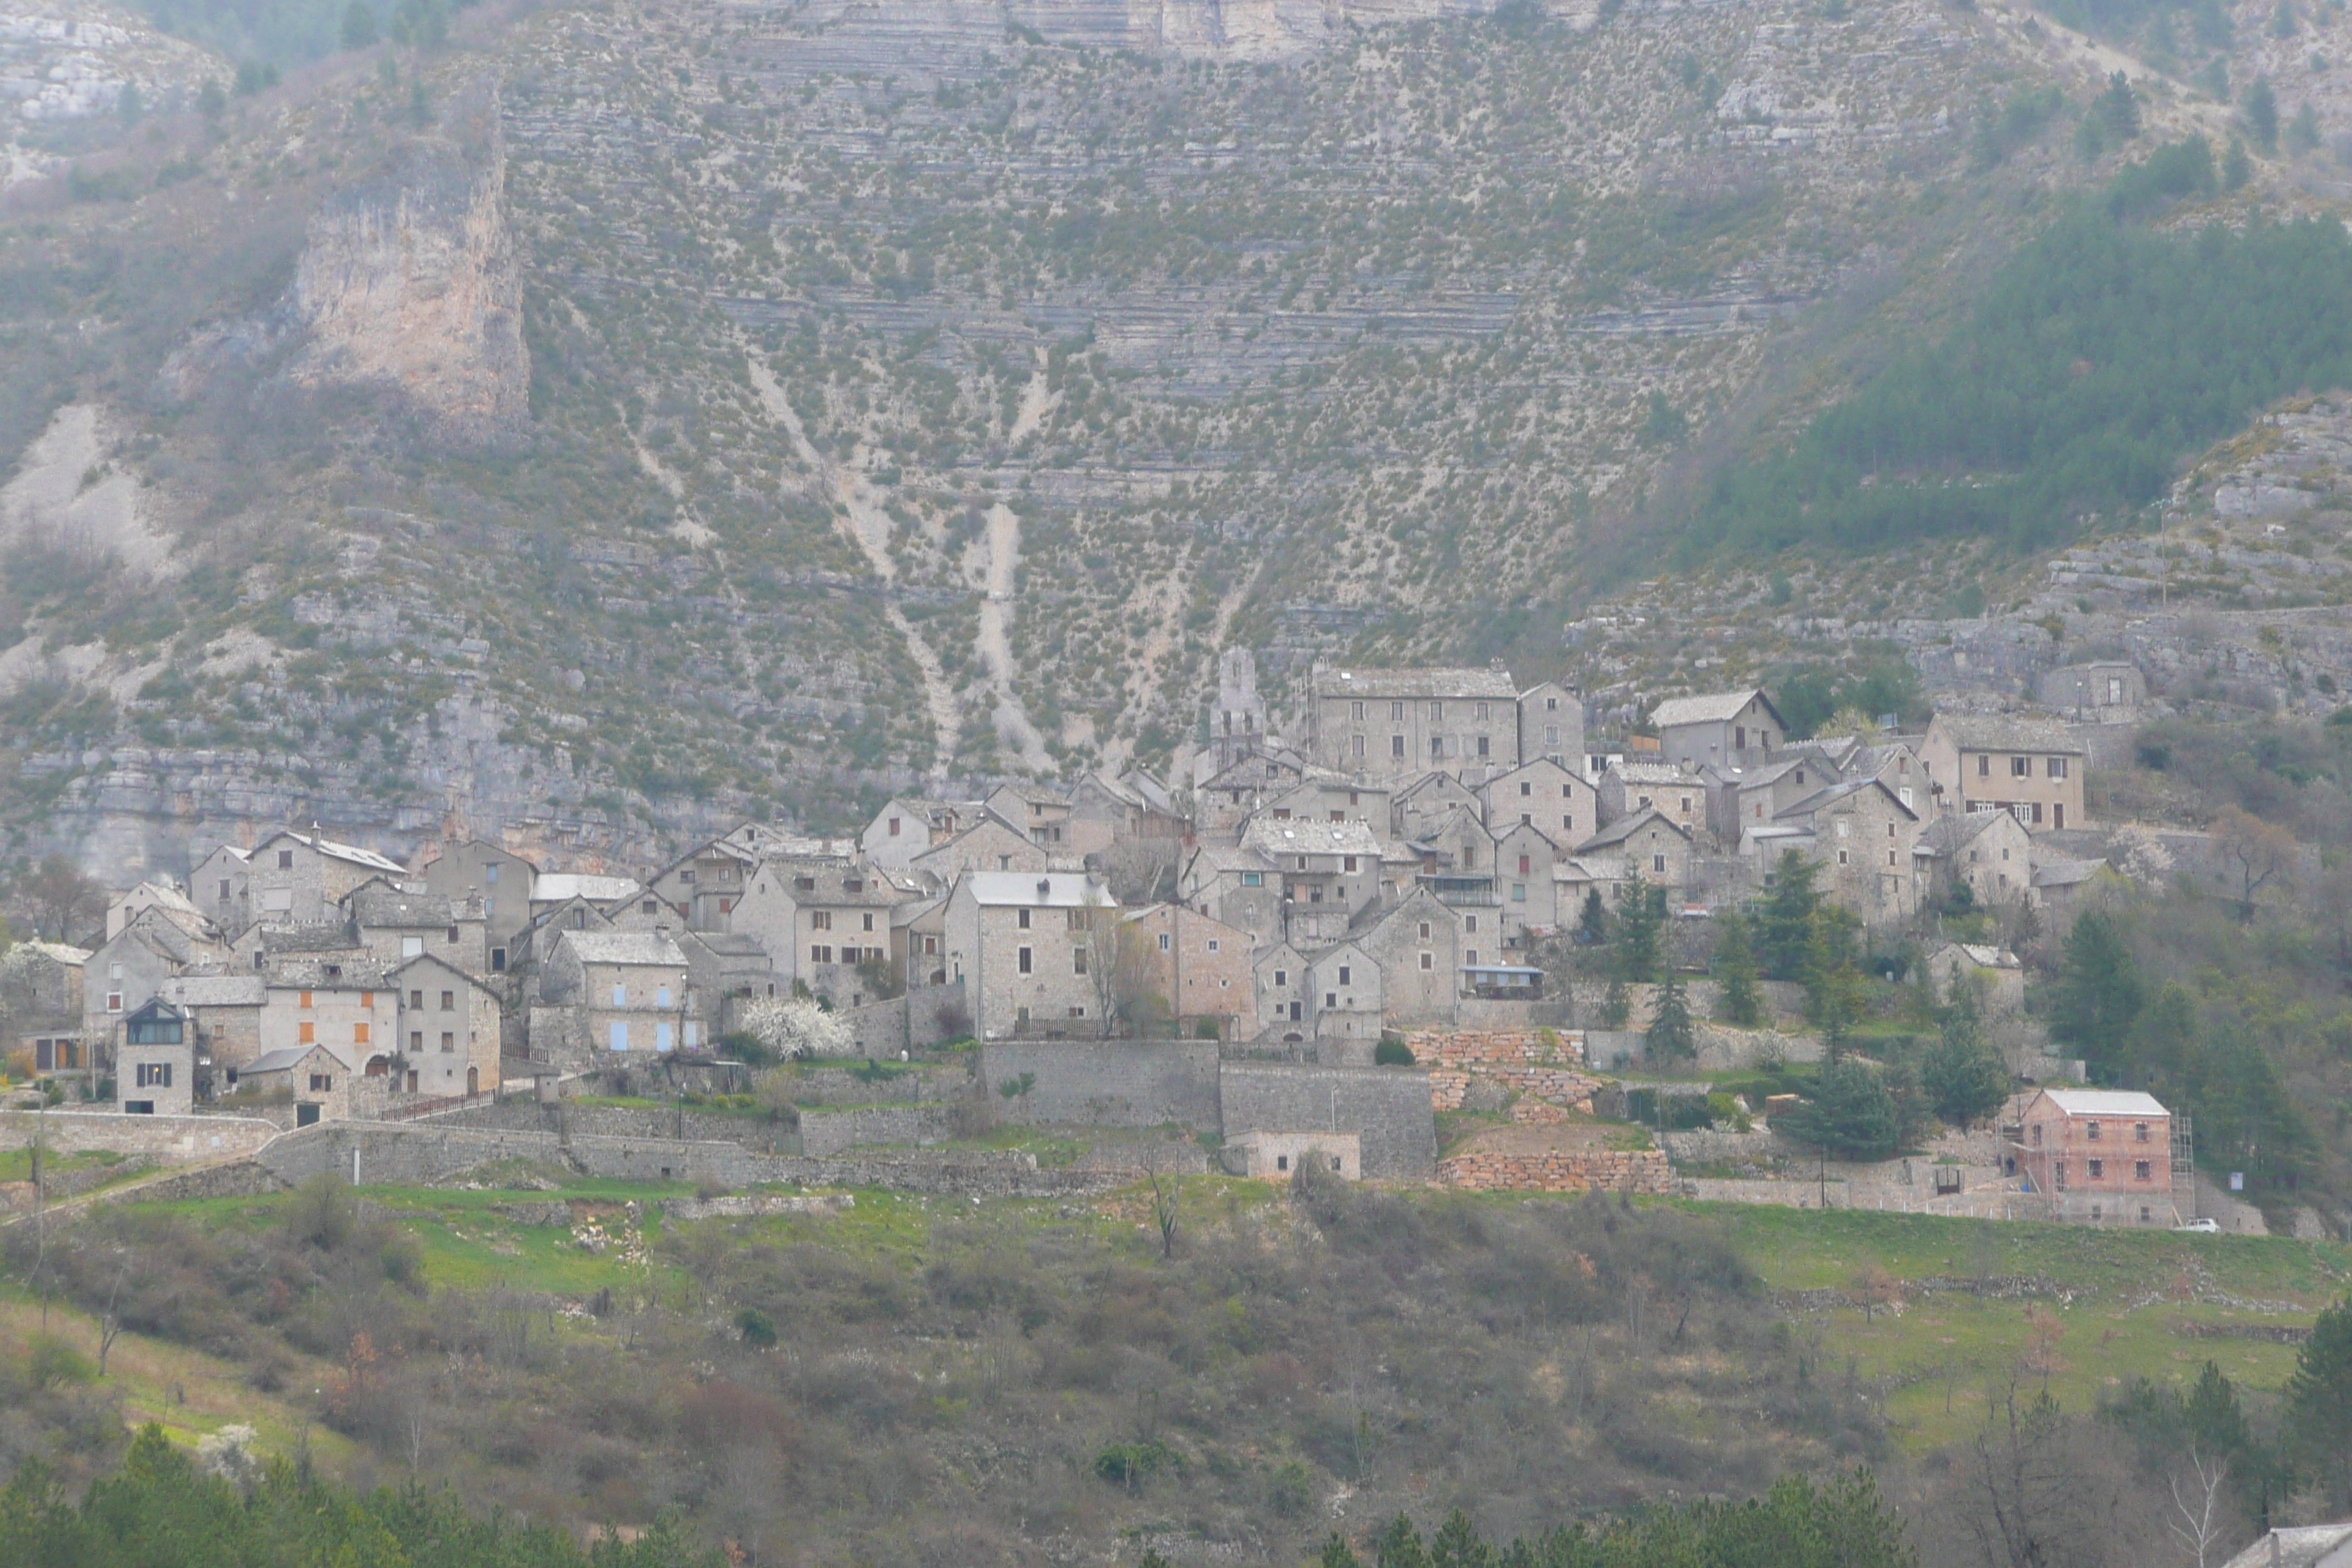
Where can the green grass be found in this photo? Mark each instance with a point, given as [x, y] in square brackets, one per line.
[2123, 1302]
[16, 1164]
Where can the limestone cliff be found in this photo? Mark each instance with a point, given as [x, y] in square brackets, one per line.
[409, 285]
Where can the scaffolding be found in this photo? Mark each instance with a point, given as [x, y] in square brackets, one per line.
[2184, 1168]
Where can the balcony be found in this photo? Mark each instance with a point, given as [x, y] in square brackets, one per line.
[1462, 891]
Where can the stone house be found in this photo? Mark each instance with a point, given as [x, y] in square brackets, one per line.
[919, 929]
[41, 985]
[224, 1013]
[908, 825]
[1419, 947]
[1279, 975]
[630, 986]
[2095, 1156]
[819, 919]
[395, 923]
[1895, 764]
[1524, 857]
[1551, 725]
[1024, 947]
[1748, 799]
[723, 970]
[1344, 995]
[326, 950]
[1236, 885]
[156, 1063]
[987, 845]
[1459, 860]
[1632, 787]
[553, 890]
[500, 879]
[2030, 767]
[221, 886]
[1199, 966]
[704, 885]
[1325, 797]
[1105, 810]
[2106, 691]
[1223, 800]
[1423, 802]
[300, 878]
[1723, 730]
[1379, 721]
[1861, 838]
[320, 1082]
[1989, 850]
[1328, 871]
[1040, 813]
[1546, 795]
[1276, 1156]
[124, 907]
[1648, 844]
[357, 1018]
[449, 1030]
[1992, 974]
[129, 968]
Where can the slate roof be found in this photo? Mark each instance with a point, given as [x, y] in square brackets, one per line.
[1433, 682]
[1624, 827]
[2104, 1103]
[1955, 831]
[2005, 732]
[1712, 706]
[1037, 889]
[378, 903]
[554, 886]
[1813, 804]
[624, 947]
[1301, 835]
[217, 990]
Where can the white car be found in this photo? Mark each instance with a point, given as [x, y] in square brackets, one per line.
[2203, 1226]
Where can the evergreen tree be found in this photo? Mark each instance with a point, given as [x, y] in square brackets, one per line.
[1641, 915]
[2236, 167]
[1338, 1553]
[2282, 20]
[2099, 993]
[1400, 1546]
[2117, 109]
[1735, 967]
[1965, 1079]
[2303, 131]
[2260, 108]
[1593, 925]
[2319, 1403]
[1847, 1112]
[1457, 1544]
[1615, 1005]
[1671, 1038]
[359, 24]
[1786, 919]
[1835, 990]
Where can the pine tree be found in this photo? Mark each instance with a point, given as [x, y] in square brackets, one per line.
[1787, 919]
[1735, 963]
[2099, 994]
[1615, 1005]
[2319, 1403]
[2117, 109]
[1670, 1037]
[2261, 107]
[1640, 914]
[1593, 925]
[1965, 1078]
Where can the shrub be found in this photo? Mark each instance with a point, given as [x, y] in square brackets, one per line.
[1393, 1052]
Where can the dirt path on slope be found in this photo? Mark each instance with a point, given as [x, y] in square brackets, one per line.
[1000, 566]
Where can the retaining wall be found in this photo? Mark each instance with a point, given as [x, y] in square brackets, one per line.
[1544, 1064]
[1106, 1083]
[756, 1205]
[168, 1140]
[1560, 1170]
[521, 1113]
[830, 1132]
[1388, 1108]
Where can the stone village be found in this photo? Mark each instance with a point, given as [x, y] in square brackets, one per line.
[1331, 931]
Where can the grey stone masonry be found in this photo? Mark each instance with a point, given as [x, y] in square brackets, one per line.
[1105, 1083]
[1388, 1108]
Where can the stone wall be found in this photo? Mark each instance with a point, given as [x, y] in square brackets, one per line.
[168, 1140]
[1789, 1195]
[521, 1113]
[236, 1179]
[830, 1132]
[944, 1175]
[1544, 1064]
[1560, 1170]
[1105, 1083]
[756, 1205]
[1388, 1108]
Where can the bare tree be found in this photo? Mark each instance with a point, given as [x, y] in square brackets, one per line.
[2033, 1491]
[2198, 1519]
[109, 1323]
[61, 896]
[1164, 1194]
[2257, 852]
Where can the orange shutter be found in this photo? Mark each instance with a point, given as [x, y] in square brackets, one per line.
[306, 1027]
[359, 1034]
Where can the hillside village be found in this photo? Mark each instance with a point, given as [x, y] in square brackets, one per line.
[1373, 906]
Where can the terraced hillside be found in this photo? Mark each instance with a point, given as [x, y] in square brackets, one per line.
[631, 417]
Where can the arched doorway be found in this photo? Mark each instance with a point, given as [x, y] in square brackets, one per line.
[473, 1082]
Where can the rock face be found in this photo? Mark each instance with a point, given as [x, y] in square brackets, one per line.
[409, 285]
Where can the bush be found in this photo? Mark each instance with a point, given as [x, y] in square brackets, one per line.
[1393, 1052]
[1130, 1465]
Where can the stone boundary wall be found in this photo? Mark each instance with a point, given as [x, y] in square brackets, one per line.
[1129, 1160]
[168, 1140]
[1560, 1170]
[235, 1179]
[521, 1113]
[1105, 1083]
[943, 1174]
[1788, 1194]
[1705, 1146]
[837, 1085]
[62, 1185]
[830, 1132]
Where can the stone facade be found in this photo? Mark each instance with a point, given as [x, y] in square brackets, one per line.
[167, 1140]
[448, 1029]
[1387, 1107]
[1544, 1064]
[1560, 1170]
[1111, 1083]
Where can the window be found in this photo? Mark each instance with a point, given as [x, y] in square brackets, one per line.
[448, 1001]
[306, 999]
[1216, 944]
[1424, 931]
[661, 996]
[359, 1034]
[804, 884]
[1482, 745]
[2021, 767]
[1252, 879]
[1077, 961]
[1984, 764]
[2055, 768]
[416, 1042]
[620, 1036]
[822, 919]
[1470, 924]
[448, 1042]
[224, 889]
[648, 906]
[1843, 827]
[1281, 978]
[1348, 863]
[1164, 942]
[1568, 822]
[411, 946]
[416, 1000]
[1551, 734]
[1437, 745]
[1330, 998]
[306, 1032]
[1470, 957]
[286, 859]
[1025, 963]
[620, 993]
[322, 1083]
[1519, 892]
[1840, 857]
[1358, 745]
[114, 998]
[497, 961]
[1355, 711]
[1436, 712]
[1524, 864]
[1739, 737]
[154, 1074]
[1482, 711]
[2098, 1169]
[1526, 788]
[2141, 1169]
[1658, 862]
[869, 922]
[452, 933]
[894, 827]
[490, 875]
[1428, 963]
[1890, 857]
[1396, 746]
[930, 945]
[1343, 976]
[2058, 815]
[820, 953]
[1020, 919]
[2037, 811]
[2037, 1133]
[2139, 1131]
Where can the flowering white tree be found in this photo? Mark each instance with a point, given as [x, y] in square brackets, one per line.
[2141, 856]
[795, 1027]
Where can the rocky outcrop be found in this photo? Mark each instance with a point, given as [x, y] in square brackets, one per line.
[410, 285]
